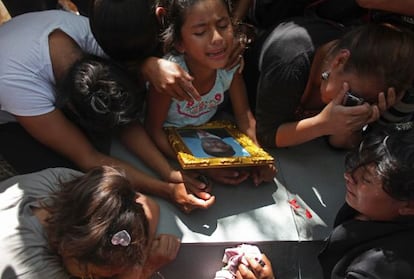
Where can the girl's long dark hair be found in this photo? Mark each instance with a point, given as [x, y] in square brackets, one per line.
[88, 210]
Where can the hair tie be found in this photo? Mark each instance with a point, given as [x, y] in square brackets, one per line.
[121, 238]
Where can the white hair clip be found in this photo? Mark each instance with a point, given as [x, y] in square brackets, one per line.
[121, 238]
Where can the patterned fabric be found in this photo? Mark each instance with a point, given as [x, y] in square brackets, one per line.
[183, 113]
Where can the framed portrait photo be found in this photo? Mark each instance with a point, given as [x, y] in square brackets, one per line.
[215, 144]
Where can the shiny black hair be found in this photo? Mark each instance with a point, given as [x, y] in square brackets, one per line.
[392, 152]
[101, 94]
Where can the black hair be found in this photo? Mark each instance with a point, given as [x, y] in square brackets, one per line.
[101, 94]
[381, 51]
[127, 30]
[392, 152]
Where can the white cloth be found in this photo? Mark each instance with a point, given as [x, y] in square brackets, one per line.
[183, 113]
[24, 249]
[235, 256]
[26, 75]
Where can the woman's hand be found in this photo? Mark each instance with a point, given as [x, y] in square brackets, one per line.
[385, 101]
[169, 78]
[244, 35]
[227, 176]
[163, 250]
[190, 193]
[256, 270]
[339, 119]
[236, 55]
[263, 174]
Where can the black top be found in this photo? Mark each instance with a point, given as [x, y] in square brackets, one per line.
[285, 61]
[369, 249]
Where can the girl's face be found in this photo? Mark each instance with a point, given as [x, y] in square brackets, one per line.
[365, 194]
[207, 34]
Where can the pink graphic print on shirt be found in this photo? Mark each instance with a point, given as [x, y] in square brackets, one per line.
[196, 109]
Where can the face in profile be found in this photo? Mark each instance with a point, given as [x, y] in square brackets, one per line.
[364, 193]
[367, 88]
[216, 147]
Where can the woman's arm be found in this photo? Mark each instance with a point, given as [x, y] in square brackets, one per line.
[241, 108]
[241, 9]
[405, 7]
[169, 78]
[157, 111]
[58, 133]
[335, 120]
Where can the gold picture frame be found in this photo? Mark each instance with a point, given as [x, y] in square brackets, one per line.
[199, 147]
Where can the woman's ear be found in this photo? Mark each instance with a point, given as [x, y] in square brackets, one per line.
[341, 58]
[160, 13]
[407, 208]
[179, 47]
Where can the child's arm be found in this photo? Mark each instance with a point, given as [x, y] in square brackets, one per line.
[157, 110]
[244, 117]
[247, 124]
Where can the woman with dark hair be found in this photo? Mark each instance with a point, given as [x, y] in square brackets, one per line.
[307, 78]
[128, 31]
[60, 104]
[374, 231]
[64, 224]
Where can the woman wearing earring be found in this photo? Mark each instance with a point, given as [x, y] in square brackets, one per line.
[307, 76]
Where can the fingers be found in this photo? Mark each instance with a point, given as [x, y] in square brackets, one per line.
[236, 56]
[385, 101]
[196, 181]
[190, 92]
[183, 89]
[339, 98]
[375, 114]
[263, 174]
[170, 244]
[173, 80]
[164, 249]
[391, 97]
[197, 203]
[261, 268]
[382, 102]
[232, 177]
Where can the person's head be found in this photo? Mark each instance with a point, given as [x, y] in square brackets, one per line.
[214, 145]
[99, 225]
[370, 58]
[127, 30]
[380, 175]
[201, 30]
[100, 93]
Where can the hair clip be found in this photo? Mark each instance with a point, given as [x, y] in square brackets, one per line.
[121, 238]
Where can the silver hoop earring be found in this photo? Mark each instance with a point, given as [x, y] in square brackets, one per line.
[325, 75]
